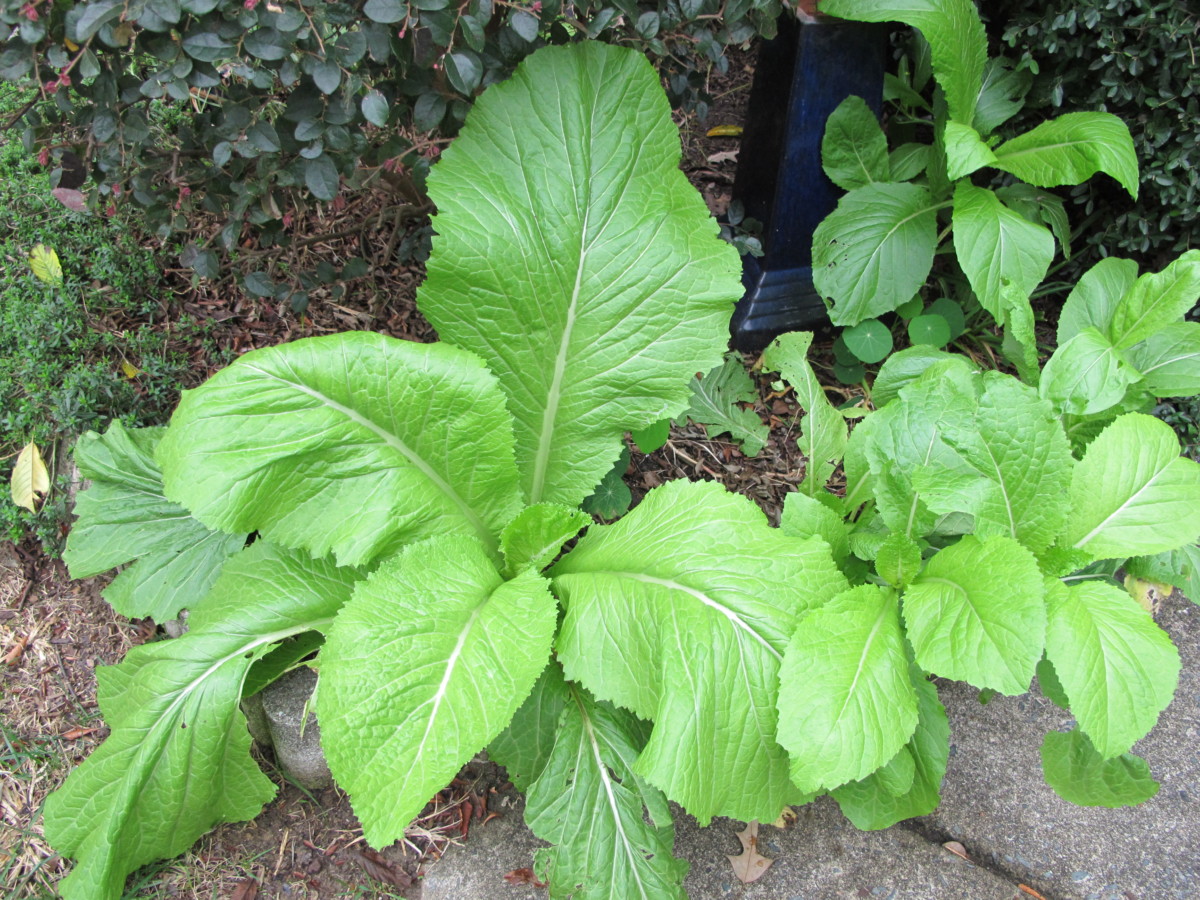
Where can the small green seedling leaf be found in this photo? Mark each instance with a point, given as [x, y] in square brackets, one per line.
[612, 497]
[652, 437]
[898, 560]
[929, 329]
[869, 340]
[1080, 775]
[536, 536]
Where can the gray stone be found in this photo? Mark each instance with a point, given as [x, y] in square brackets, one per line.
[995, 801]
[298, 755]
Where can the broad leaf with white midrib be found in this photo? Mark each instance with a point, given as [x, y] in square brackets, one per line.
[354, 444]
[681, 613]
[845, 699]
[178, 759]
[977, 613]
[574, 257]
[1132, 493]
[425, 665]
[612, 831]
[1117, 667]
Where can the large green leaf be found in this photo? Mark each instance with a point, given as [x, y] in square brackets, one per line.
[1132, 493]
[875, 250]
[1093, 301]
[1070, 150]
[977, 614]
[1117, 667]
[1018, 446]
[823, 433]
[1086, 375]
[426, 664]
[123, 516]
[575, 258]
[846, 702]
[1156, 300]
[354, 444]
[1004, 255]
[681, 612]
[956, 39]
[872, 803]
[612, 831]
[1080, 775]
[853, 149]
[1169, 360]
[965, 151]
[178, 759]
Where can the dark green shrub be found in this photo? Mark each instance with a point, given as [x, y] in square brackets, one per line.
[1139, 59]
[247, 110]
[62, 348]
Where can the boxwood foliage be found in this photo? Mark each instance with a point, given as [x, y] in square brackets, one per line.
[246, 109]
[1137, 59]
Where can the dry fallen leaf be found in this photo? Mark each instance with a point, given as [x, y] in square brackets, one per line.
[246, 889]
[77, 732]
[29, 477]
[749, 865]
[13, 656]
[381, 869]
[786, 818]
[957, 849]
[723, 156]
[523, 876]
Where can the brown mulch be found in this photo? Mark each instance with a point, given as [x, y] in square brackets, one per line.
[54, 632]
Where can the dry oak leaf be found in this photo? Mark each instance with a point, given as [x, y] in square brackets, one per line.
[749, 865]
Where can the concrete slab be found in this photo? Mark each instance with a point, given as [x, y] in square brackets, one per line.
[819, 857]
[996, 803]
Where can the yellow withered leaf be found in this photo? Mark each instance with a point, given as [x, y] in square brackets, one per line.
[45, 265]
[29, 477]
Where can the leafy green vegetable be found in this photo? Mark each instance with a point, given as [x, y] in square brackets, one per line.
[854, 150]
[401, 701]
[124, 517]
[241, 446]
[535, 537]
[1070, 150]
[693, 641]
[977, 613]
[611, 830]
[875, 250]
[873, 802]
[845, 679]
[548, 280]
[823, 434]
[1078, 774]
[1132, 493]
[178, 759]
[1116, 666]
[714, 403]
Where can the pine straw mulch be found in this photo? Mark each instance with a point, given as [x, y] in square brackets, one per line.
[54, 631]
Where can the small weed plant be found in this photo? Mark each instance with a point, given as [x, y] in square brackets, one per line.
[76, 351]
[410, 505]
